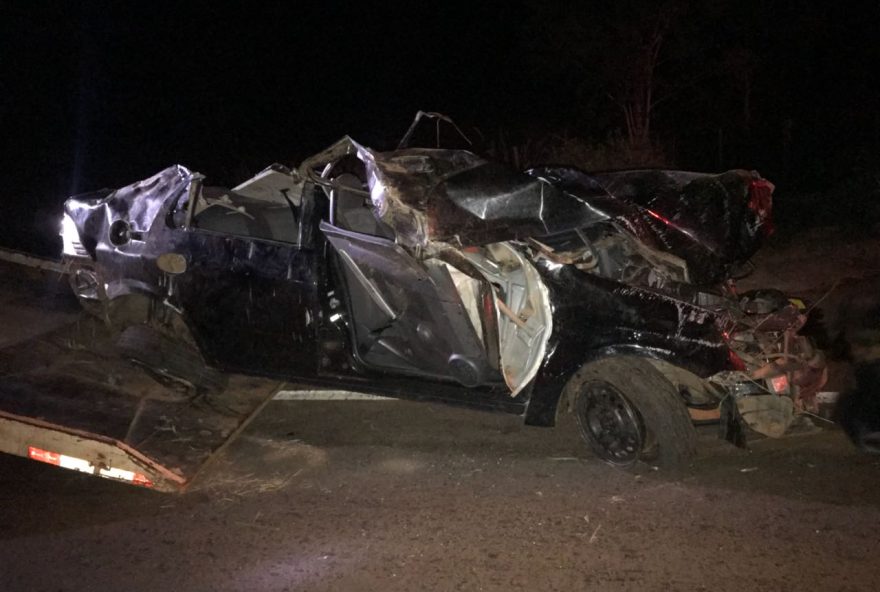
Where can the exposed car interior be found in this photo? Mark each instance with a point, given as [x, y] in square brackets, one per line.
[243, 216]
[353, 209]
[265, 207]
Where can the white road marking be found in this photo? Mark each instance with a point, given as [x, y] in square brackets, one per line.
[327, 396]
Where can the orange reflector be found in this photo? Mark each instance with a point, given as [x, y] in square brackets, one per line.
[45, 456]
[140, 479]
[779, 384]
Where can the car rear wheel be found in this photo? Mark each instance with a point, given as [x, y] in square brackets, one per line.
[627, 411]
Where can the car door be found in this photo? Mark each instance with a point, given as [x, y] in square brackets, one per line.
[251, 301]
[405, 316]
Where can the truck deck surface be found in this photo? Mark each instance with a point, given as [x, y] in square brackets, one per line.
[70, 396]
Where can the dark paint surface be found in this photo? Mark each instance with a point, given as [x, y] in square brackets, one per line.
[705, 219]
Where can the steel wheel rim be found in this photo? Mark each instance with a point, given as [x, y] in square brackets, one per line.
[609, 421]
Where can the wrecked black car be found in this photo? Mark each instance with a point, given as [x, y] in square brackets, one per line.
[439, 275]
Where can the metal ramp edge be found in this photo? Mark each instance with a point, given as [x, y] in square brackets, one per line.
[100, 455]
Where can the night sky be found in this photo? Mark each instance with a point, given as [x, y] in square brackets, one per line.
[103, 94]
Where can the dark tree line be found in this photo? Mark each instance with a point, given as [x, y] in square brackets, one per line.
[791, 88]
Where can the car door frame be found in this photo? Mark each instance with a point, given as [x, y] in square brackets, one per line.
[238, 292]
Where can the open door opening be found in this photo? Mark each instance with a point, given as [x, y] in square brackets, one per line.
[520, 309]
[477, 315]
[437, 319]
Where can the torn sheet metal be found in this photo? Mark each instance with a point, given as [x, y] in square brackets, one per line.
[714, 222]
[467, 200]
[111, 217]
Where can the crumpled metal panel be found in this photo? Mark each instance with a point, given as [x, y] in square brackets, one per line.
[595, 317]
[612, 207]
[455, 196]
[137, 204]
[705, 219]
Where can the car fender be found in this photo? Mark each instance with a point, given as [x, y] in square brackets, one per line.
[549, 386]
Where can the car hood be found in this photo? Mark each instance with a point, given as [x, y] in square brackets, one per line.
[457, 197]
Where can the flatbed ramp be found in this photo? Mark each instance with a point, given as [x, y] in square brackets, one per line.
[69, 398]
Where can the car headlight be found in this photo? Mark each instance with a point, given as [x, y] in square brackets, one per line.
[70, 238]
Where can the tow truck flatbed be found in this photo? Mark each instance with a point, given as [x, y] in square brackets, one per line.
[70, 398]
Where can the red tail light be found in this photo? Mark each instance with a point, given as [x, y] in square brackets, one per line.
[736, 362]
[761, 203]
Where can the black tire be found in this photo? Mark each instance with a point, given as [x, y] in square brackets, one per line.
[169, 359]
[628, 412]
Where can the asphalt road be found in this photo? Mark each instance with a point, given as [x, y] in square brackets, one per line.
[389, 495]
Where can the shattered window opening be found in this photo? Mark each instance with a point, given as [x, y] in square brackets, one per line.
[353, 209]
[237, 215]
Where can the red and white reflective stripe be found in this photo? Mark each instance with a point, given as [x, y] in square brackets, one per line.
[60, 460]
[136, 478]
[82, 465]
